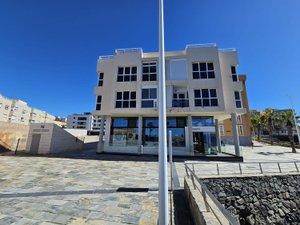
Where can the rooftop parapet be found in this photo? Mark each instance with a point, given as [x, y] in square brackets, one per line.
[128, 50]
[207, 45]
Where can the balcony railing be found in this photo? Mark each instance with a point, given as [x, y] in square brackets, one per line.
[180, 103]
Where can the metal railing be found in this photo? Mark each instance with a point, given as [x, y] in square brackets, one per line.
[247, 168]
[128, 50]
[211, 205]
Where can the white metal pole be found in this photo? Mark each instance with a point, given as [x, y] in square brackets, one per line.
[163, 173]
[171, 175]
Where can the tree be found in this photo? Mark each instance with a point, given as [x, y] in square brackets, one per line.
[256, 123]
[268, 117]
[288, 119]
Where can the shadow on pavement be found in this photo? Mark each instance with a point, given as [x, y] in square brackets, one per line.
[182, 214]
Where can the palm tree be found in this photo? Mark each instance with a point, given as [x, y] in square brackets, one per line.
[256, 123]
[288, 119]
[268, 117]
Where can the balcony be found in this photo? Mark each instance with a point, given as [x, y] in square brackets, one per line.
[180, 103]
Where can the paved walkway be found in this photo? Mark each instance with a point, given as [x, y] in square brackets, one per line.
[40, 190]
[80, 190]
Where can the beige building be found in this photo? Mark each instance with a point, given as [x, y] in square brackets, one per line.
[17, 111]
[5, 107]
[243, 121]
[203, 89]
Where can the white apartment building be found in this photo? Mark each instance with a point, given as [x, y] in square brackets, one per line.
[85, 121]
[5, 107]
[17, 111]
[80, 121]
[202, 89]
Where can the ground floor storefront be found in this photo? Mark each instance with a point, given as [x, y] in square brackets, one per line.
[191, 135]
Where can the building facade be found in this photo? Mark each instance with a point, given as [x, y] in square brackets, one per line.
[85, 121]
[243, 121]
[80, 121]
[17, 111]
[202, 88]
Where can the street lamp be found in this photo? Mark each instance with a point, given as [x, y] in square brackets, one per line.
[162, 148]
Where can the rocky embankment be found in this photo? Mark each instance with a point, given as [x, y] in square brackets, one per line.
[260, 200]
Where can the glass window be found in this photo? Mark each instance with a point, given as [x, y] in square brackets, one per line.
[98, 102]
[126, 74]
[149, 96]
[234, 74]
[238, 102]
[205, 97]
[175, 124]
[100, 80]
[124, 132]
[203, 70]
[149, 71]
[126, 99]
[202, 121]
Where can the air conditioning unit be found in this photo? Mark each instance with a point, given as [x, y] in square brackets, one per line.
[155, 104]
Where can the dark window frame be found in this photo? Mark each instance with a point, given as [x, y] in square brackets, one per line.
[203, 70]
[125, 99]
[149, 71]
[127, 74]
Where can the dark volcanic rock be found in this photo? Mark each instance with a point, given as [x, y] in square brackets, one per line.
[260, 200]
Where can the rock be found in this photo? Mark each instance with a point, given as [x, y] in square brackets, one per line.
[281, 213]
[241, 201]
[250, 219]
[260, 200]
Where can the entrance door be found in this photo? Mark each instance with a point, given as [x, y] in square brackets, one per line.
[35, 143]
[198, 142]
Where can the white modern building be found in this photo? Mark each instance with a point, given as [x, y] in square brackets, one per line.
[85, 121]
[18, 111]
[80, 121]
[202, 87]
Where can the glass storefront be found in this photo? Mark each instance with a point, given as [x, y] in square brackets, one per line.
[202, 121]
[175, 124]
[124, 132]
[204, 141]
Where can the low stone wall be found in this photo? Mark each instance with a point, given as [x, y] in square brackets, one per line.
[260, 199]
[10, 133]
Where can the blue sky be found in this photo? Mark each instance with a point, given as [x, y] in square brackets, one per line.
[49, 48]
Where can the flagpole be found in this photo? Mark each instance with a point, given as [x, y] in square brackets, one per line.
[162, 154]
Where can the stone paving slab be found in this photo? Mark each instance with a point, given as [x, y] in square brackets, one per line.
[40, 190]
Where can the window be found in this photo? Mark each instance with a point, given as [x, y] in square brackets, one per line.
[126, 99]
[233, 74]
[239, 119]
[149, 71]
[149, 96]
[241, 130]
[205, 97]
[237, 97]
[100, 81]
[175, 124]
[202, 121]
[0, 105]
[203, 70]
[221, 129]
[124, 131]
[126, 74]
[98, 104]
